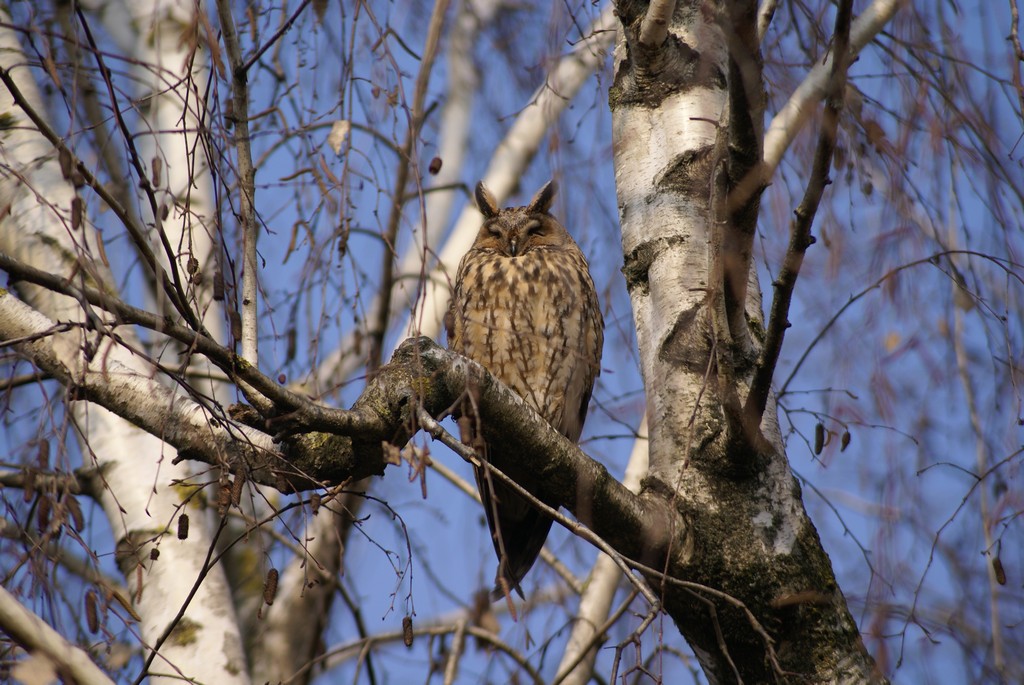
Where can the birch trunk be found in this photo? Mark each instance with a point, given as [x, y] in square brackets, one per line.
[751, 538]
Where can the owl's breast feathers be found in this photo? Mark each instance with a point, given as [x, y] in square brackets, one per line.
[534, 322]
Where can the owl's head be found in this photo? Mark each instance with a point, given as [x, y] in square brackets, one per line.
[514, 231]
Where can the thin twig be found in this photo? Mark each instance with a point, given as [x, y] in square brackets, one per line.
[283, 29]
[345, 651]
[546, 555]
[221, 356]
[1011, 268]
[451, 667]
[1018, 53]
[600, 634]
[246, 184]
[136, 232]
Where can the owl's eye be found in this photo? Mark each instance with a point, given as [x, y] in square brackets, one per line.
[537, 229]
[494, 230]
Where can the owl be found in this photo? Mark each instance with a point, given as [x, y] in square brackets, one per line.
[525, 308]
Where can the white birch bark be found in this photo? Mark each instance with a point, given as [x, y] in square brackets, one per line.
[670, 107]
[35, 635]
[138, 501]
[171, 76]
[647, 143]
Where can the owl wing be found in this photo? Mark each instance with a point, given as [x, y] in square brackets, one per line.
[518, 531]
[585, 362]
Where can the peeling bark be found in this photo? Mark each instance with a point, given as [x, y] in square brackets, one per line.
[679, 114]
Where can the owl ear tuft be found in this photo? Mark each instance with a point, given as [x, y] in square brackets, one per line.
[541, 202]
[485, 201]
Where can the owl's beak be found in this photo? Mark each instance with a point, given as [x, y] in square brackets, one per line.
[513, 247]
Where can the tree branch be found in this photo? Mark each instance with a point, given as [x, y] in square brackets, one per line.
[246, 184]
[135, 231]
[236, 368]
[145, 183]
[408, 164]
[800, 237]
[32, 633]
[654, 28]
[794, 114]
[353, 444]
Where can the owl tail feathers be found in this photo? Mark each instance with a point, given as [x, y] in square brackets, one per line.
[518, 551]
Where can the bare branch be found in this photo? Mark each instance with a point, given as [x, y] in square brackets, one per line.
[577, 664]
[765, 13]
[32, 633]
[792, 117]
[408, 164]
[800, 230]
[170, 289]
[654, 28]
[246, 185]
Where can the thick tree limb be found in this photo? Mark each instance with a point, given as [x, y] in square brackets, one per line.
[421, 374]
[32, 633]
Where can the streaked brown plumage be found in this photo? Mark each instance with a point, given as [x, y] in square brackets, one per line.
[525, 307]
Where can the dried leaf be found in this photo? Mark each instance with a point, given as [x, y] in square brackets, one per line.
[218, 286]
[43, 511]
[291, 338]
[819, 438]
[236, 489]
[320, 7]
[223, 497]
[76, 212]
[75, 510]
[875, 133]
[28, 488]
[67, 164]
[338, 135]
